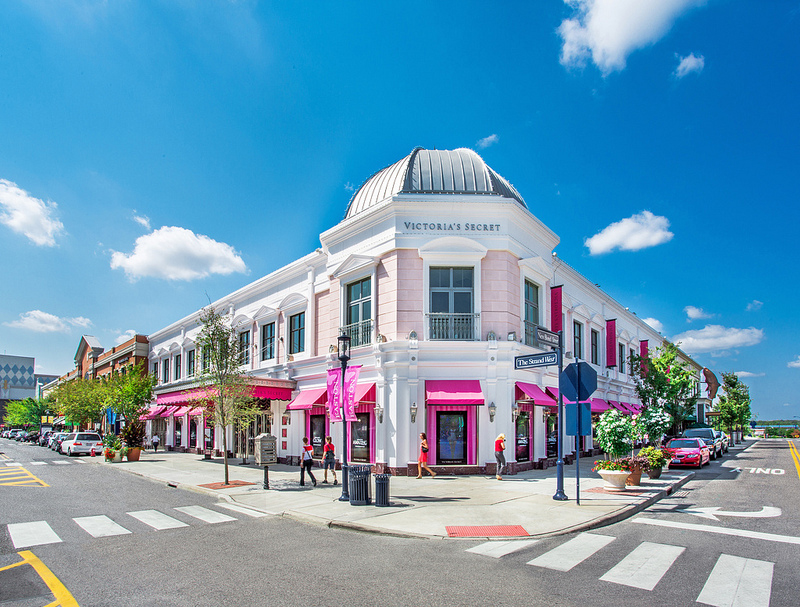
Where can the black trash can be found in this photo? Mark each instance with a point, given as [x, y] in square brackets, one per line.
[359, 480]
[382, 489]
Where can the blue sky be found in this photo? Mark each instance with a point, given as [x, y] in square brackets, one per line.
[159, 153]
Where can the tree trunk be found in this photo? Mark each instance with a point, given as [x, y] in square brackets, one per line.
[225, 453]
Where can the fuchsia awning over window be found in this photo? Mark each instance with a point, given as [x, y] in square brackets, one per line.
[180, 411]
[153, 412]
[599, 405]
[168, 411]
[308, 398]
[534, 393]
[365, 394]
[619, 407]
[453, 392]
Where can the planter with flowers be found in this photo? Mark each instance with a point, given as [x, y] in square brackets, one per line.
[614, 472]
[636, 464]
[614, 433]
[656, 458]
[112, 448]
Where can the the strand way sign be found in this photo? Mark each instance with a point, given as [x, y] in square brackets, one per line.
[530, 361]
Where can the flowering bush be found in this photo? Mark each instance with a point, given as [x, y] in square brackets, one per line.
[637, 462]
[652, 422]
[615, 433]
[109, 453]
[611, 464]
[655, 456]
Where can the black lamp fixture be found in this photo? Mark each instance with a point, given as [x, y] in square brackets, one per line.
[344, 356]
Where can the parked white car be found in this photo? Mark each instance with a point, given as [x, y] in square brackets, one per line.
[78, 443]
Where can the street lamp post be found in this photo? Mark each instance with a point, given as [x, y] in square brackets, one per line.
[344, 356]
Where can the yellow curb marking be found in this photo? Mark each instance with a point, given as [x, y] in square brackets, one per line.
[60, 592]
[20, 476]
[795, 456]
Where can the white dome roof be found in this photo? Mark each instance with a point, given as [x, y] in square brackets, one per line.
[459, 171]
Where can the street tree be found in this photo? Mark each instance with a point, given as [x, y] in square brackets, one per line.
[129, 394]
[665, 382]
[734, 405]
[26, 412]
[227, 399]
[81, 401]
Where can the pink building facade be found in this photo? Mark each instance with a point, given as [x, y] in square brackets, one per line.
[440, 275]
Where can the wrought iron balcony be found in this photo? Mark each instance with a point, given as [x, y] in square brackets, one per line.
[454, 327]
[360, 333]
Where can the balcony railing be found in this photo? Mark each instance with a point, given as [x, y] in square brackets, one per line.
[454, 327]
[360, 333]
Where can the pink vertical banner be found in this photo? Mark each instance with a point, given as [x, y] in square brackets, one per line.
[556, 309]
[643, 352]
[334, 392]
[350, 383]
[611, 343]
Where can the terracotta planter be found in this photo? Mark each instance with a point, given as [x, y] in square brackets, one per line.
[133, 454]
[654, 473]
[634, 477]
[615, 479]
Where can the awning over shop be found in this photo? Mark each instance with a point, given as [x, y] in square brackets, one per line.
[153, 413]
[453, 392]
[197, 411]
[168, 411]
[272, 392]
[526, 391]
[554, 393]
[632, 407]
[181, 411]
[365, 394]
[59, 420]
[197, 394]
[308, 398]
[599, 405]
[619, 407]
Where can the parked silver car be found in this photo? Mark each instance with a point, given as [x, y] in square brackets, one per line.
[78, 443]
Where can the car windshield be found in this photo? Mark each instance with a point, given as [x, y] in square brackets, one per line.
[682, 443]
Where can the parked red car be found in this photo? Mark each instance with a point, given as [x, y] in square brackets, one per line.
[688, 452]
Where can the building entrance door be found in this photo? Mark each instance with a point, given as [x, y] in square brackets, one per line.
[523, 438]
[451, 436]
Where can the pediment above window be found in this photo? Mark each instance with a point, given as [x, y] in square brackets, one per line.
[264, 312]
[355, 263]
[537, 265]
[241, 320]
[293, 300]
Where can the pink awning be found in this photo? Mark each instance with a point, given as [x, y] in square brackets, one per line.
[192, 396]
[308, 398]
[181, 411]
[631, 407]
[619, 407]
[599, 405]
[168, 411]
[365, 394]
[176, 398]
[153, 412]
[196, 412]
[453, 392]
[554, 393]
[272, 392]
[534, 393]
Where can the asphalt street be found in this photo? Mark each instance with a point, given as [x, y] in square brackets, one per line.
[239, 558]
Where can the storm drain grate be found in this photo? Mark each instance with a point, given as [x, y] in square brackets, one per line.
[680, 494]
[487, 531]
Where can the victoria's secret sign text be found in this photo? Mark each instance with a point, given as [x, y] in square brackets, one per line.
[430, 226]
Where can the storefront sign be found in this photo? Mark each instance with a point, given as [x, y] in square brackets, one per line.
[350, 383]
[450, 226]
[334, 390]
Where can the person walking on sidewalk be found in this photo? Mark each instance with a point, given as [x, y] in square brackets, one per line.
[155, 442]
[329, 460]
[423, 456]
[306, 461]
[499, 455]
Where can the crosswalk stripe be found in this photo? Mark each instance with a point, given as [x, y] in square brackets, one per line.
[573, 552]
[12, 463]
[100, 526]
[157, 520]
[738, 582]
[24, 535]
[645, 566]
[63, 463]
[242, 510]
[38, 463]
[205, 515]
[499, 549]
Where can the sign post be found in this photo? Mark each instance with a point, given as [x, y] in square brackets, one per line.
[559, 494]
[578, 382]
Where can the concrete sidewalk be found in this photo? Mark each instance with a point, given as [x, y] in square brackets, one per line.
[424, 507]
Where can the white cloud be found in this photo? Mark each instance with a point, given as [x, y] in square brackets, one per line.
[487, 141]
[631, 234]
[123, 337]
[656, 324]
[142, 220]
[43, 322]
[176, 253]
[29, 216]
[716, 337]
[689, 64]
[748, 374]
[794, 364]
[754, 305]
[607, 31]
[694, 313]
[350, 187]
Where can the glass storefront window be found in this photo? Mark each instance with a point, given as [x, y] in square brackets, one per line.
[317, 423]
[209, 436]
[178, 428]
[451, 434]
[193, 432]
[359, 441]
[523, 450]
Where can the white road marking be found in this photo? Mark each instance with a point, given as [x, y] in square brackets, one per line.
[9, 464]
[100, 526]
[62, 463]
[714, 511]
[157, 520]
[38, 463]
[205, 515]
[243, 510]
[498, 549]
[645, 566]
[738, 582]
[573, 552]
[770, 537]
[32, 534]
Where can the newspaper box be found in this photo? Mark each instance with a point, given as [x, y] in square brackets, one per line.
[266, 450]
